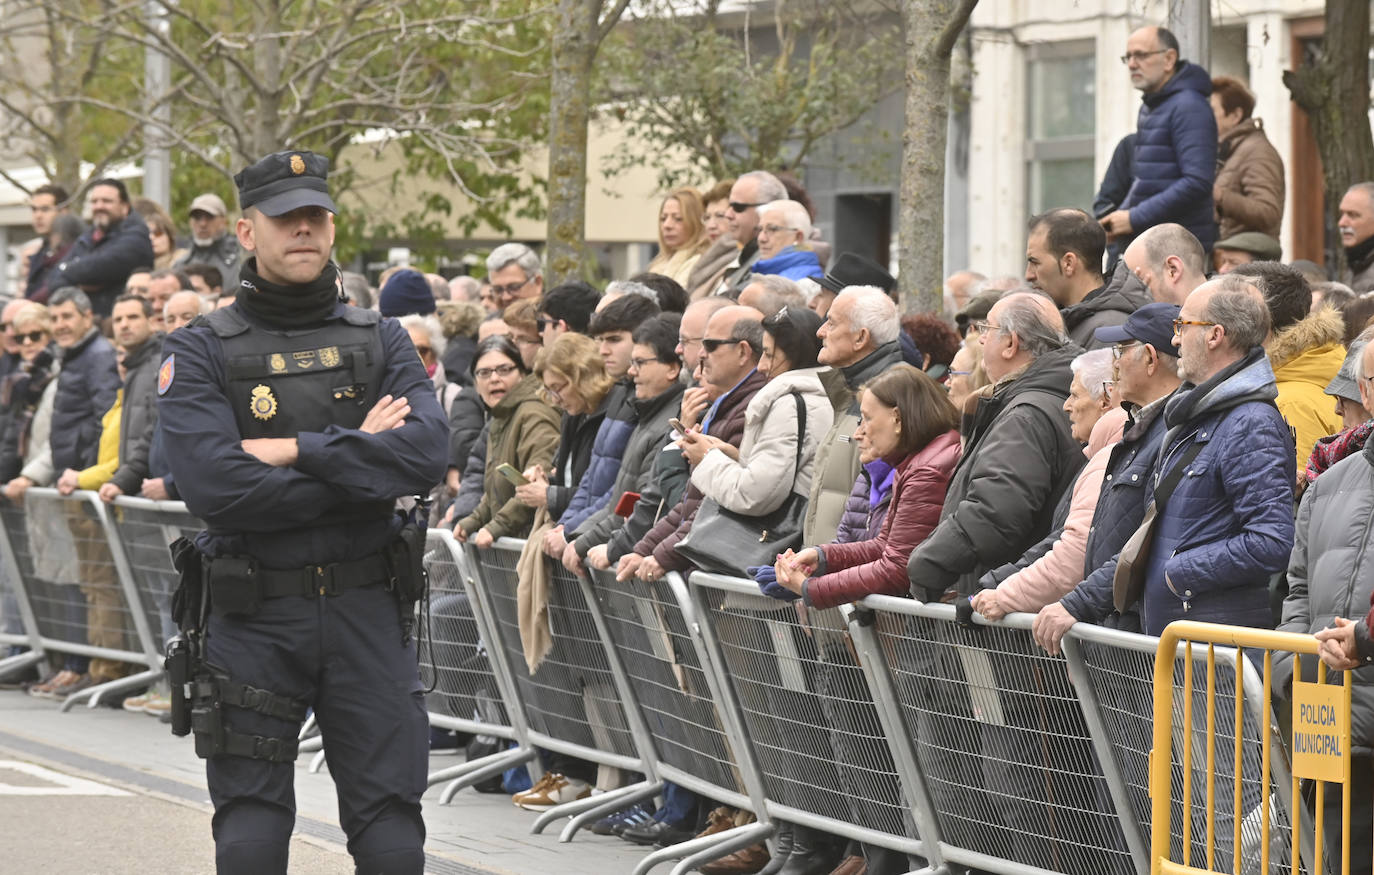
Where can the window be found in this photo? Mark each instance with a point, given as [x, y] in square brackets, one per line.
[1061, 122]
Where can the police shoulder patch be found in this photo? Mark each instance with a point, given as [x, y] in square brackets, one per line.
[166, 373]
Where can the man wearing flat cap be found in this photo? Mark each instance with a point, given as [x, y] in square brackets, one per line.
[211, 242]
[293, 423]
[1243, 248]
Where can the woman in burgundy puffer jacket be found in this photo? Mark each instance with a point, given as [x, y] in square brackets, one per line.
[908, 422]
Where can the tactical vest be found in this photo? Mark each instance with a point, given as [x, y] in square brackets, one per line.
[281, 383]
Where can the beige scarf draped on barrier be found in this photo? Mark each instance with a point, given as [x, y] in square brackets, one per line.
[532, 594]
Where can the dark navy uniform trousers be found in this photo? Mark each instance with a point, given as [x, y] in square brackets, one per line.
[345, 656]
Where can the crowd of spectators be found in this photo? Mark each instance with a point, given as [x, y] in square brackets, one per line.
[1157, 420]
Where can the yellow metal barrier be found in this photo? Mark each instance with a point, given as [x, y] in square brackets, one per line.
[1319, 745]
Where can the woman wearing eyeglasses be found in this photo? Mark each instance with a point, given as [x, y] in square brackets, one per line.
[427, 334]
[784, 228]
[163, 235]
[575, 381]
[523, 432]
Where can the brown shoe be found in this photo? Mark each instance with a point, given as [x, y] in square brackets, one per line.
[719, 820]
[850, 866]
[745, 862]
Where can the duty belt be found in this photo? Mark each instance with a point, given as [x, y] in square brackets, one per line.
[310, 581]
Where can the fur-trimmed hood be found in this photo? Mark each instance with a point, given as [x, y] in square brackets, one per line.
[1322, 328]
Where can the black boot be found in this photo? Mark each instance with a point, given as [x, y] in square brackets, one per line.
[784, 848]
[813, 853]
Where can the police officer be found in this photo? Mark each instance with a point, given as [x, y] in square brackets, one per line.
[292, 423]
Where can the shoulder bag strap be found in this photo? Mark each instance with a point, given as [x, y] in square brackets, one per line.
[1170, 481]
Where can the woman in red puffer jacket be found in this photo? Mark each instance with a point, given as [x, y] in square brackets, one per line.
[906, 420]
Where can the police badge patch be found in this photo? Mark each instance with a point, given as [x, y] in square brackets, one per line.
[166, 373]
[263, 403]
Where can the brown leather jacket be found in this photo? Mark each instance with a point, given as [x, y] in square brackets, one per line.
[1249, 189]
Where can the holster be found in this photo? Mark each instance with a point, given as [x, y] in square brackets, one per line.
[180, 664]
[405, 558]
[211, 689]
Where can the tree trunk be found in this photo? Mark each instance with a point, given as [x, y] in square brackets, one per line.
[569, 119]
[1335, 93]
[930, 30]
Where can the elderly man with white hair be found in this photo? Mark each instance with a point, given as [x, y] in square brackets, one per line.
[784, 227]
[858, 342]
[514, 272]
[182, 307]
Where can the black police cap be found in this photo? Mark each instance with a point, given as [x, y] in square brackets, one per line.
[285, 181]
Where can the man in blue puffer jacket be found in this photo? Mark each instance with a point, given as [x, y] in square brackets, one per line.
[1228, 525]
[1176, 143]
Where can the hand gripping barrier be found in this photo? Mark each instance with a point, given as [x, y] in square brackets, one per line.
[470, 686]
[886, 722]
[1004, 739]
[78, 591]
[1216, 710]
[578, 702]
[808, 714]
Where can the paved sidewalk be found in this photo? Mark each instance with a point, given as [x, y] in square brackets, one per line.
[164, 822]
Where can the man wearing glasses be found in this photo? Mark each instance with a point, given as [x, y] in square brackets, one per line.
[1222, 489]
[751, 191]
[1146, 369]
[514, 272]
[1019, 458]
[1176, 142]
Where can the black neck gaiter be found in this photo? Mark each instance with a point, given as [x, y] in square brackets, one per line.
[296, 306]
[1360, 255]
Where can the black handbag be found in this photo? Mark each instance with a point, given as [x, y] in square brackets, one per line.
[724, 542]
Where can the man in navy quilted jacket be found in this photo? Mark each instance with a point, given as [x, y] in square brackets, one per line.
[1176, 143]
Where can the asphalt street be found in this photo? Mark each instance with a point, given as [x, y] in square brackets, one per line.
[105, 792]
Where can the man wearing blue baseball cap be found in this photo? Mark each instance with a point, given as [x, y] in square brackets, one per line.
[1146, 367]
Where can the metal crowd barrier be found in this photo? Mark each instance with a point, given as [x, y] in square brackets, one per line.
[76, 590]
[694, 723]
[886, 722]
[1223, 704]
[470, 687]
[808, 714]
[579, 702]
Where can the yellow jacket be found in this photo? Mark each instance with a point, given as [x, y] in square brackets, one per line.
[107, 456]
[1305, 357]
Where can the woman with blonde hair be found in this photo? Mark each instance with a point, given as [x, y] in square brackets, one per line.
[681, 234]
[575, 381]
